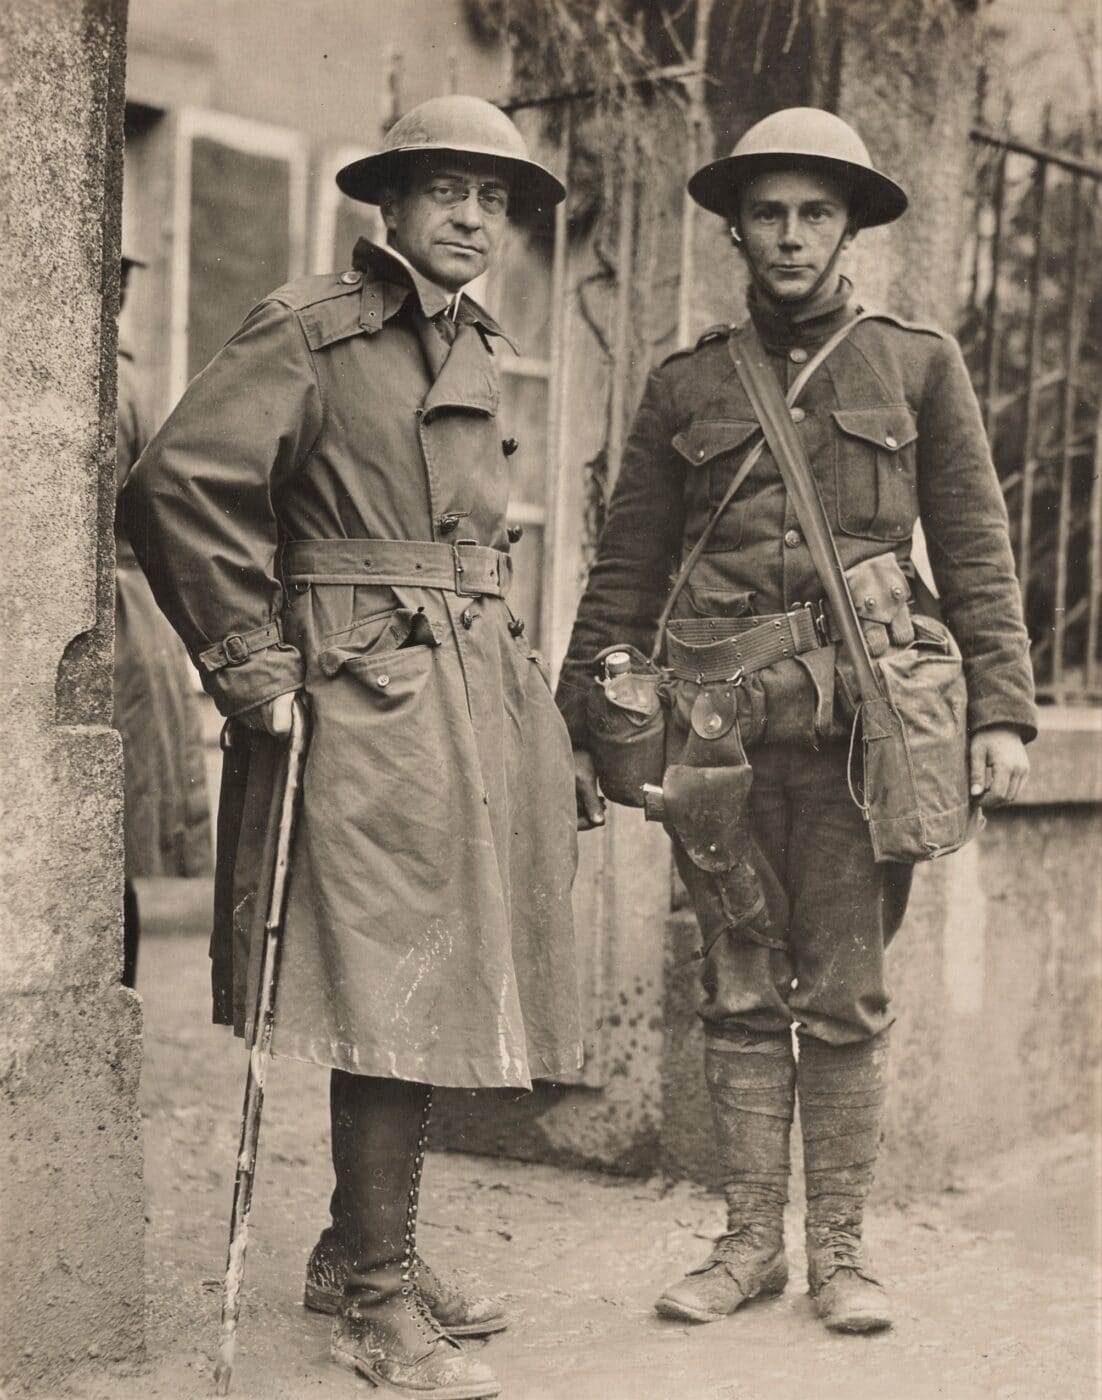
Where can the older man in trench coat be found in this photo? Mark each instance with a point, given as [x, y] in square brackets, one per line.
[325, 513]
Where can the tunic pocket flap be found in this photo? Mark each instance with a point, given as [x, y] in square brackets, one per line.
[709, 438]
[888, 429]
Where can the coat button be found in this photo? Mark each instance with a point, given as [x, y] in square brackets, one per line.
[798, 415]
[383, 681]
[350, 278]
[466, 617]
[514, 533]
[798, 356]
[509, 446]
[890, 441]
[445, 524]
[792, 538]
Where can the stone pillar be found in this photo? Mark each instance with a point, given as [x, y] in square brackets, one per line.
[907, 81]
[71, 1166]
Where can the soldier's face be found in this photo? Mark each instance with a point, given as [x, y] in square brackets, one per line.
[450, 219]
[792, 224]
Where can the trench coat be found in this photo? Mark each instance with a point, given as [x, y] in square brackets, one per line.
[428, 933]
[166, 814]
[894, 436]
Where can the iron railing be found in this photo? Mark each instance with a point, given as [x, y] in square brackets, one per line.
[1032, 282]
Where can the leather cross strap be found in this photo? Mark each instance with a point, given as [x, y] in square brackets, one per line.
[774, 415]
[795, 389]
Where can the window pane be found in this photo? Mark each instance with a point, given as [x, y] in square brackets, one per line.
[240, 241]
[522, 291]
[355, 221]
[523, 416]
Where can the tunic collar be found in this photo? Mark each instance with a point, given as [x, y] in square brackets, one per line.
[782, 327]
[397, 273]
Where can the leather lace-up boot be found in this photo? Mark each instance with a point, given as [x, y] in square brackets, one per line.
[459, 1308]
[384, 1331]
[841, 1091]
[751, 1082]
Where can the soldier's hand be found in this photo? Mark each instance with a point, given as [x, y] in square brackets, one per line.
[591, 805]
[999, 766]
[273, 717]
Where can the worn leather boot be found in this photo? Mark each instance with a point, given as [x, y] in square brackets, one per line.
[387, 1335]
[841, 1091]
[459, 1309]
[751, 1082]
[384, 1331]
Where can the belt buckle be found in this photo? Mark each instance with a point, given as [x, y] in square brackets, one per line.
[457, 560]
[235, 649]
[817, 612]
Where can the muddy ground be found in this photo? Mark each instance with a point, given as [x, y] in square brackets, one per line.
[995, 1281]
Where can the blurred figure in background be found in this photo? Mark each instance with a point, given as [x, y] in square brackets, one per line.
[166, 814]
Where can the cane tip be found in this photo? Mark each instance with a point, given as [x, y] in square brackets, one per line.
[223, 1374]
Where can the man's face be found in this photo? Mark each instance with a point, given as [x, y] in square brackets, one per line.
[791, 224]
[450, 220]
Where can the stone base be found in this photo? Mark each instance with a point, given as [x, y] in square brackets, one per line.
[72, 1247]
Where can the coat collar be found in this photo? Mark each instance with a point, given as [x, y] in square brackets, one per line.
[388, 283]
[782, 327]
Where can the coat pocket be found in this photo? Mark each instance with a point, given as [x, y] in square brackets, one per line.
[393, 679]
[715, 448]
[875, 471]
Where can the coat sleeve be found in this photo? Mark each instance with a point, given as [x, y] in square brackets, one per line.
[964, 517]
[200, 507]
[639, 546]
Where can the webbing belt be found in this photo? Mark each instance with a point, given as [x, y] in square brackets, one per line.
[717, 649]
[464, 567]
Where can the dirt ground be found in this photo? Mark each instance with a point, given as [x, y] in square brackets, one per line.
[995, 1281]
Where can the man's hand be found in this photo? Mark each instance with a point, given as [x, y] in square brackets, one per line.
[999, 765]
[591, 805]
[273, 717]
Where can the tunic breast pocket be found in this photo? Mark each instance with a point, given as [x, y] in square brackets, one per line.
[715, 448]
[874, 468]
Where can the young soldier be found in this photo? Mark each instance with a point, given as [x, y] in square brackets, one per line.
[893, 433]
[324, 513]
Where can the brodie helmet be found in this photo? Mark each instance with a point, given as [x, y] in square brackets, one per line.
[461, 126]
[801, 138]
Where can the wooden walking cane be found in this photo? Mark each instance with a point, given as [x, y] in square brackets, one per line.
[260, 1048]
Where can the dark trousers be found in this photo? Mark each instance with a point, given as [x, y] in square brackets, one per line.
[834, 910]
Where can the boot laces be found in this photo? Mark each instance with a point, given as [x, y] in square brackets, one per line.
[747, 1235]
[840, 1249]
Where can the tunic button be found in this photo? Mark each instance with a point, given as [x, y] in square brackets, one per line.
[700, 454]
[798, 415]
[509, 446]
[890, 441]
[466, 617]
[798, 356]
[383, 680]
[350, 278]
[792, 538]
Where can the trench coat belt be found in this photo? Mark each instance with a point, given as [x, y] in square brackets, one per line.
[719, 649]
[464, 567]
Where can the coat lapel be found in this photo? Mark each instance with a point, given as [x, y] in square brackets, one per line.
[462, 374]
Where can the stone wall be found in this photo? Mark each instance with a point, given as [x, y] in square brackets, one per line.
[71, 1200]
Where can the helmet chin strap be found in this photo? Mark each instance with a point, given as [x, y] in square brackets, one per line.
[817, 285]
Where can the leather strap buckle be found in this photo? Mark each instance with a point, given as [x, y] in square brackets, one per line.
[235, 649]
[460, 569]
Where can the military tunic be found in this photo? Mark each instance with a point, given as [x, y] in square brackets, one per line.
[893, 434]
[166, 823]
[428, 933]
